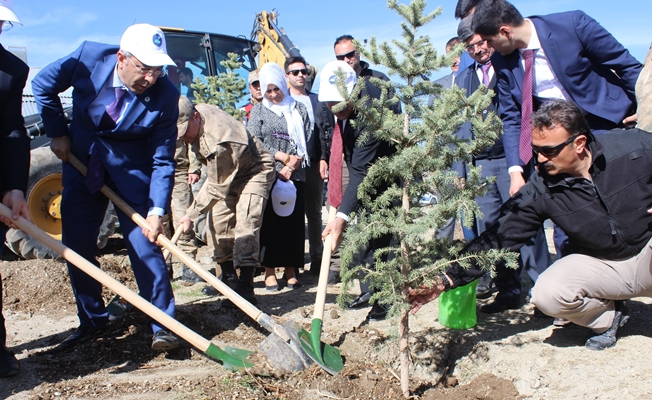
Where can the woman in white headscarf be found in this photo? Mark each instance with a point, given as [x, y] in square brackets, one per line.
[283, 125]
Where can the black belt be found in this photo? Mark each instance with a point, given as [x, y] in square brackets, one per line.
[497, 151]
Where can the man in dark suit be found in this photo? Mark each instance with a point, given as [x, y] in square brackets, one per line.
[358, 158]
[14, 157]
[534, 256]
[124, 124]
[573, 59]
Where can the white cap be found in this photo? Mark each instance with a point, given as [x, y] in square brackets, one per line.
[328, 81]
[7, 11]
[284, 197]
[147, 43]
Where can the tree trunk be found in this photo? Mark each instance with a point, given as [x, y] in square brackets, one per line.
[404, 351]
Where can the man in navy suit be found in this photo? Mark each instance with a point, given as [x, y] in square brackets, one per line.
[575, 59]
[124, 125]
[535, 257]
[14, 156]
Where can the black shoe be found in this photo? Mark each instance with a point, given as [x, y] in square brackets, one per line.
[8, 364]
[378, 312]
[208, 290]
[190, 276]
[608, 338]
[245, 290]
[360, 301]
[500, 304]
[164, 341]
[334, 277]
[81, 335]
[485, 287]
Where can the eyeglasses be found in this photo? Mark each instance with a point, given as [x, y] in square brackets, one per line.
[154, 73]
[350, 54]
[6, 25]
[255, 84]
[296, 72]
[552, 151]
[471, 48]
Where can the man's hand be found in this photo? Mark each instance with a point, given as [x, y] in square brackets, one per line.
[516, 182]
[422, 295]
[193, 178]
[156, 223]
[295, 162]
[61, 146]
[186, 224]
[15, 199]
[631, 120]
[285, 174]
[335, 228]
[323, 169]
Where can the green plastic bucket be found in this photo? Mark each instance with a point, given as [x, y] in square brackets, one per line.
[457, 307]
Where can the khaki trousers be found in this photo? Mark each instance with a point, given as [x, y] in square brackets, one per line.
[582, 289]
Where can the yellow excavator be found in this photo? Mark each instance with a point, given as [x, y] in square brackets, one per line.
[195, 53]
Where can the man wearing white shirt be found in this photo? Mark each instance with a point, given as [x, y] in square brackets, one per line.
[575, 59]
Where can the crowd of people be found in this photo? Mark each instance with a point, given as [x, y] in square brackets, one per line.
[565, 91]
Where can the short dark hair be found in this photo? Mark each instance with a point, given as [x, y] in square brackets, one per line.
[186, 71]
[465, 28]
[292, 60]
[343, 38]
[452, 42]
[464, 7]
[490, 15]
[562, 113]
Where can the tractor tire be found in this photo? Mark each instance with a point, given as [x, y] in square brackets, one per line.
[43, 199]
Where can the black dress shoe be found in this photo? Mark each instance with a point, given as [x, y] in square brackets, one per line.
[190, 276]
[500, 304]
[485, 287]
[208, 290]
[164, 341]
[360, 301]
[8, 364]
[378, 312]
[81, 335]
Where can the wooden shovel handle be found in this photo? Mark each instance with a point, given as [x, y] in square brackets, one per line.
[239, 302]
[105, 279]
[177, 233]
[322, 286]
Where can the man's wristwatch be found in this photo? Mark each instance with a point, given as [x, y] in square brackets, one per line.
[445, 282]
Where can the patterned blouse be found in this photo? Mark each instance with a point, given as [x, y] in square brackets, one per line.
[272, 130]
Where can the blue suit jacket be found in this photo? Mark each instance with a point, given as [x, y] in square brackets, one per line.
[582, 54]
[139, 153]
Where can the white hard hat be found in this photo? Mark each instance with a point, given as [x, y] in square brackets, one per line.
[328, 81]
[147, 43]
[7, 11]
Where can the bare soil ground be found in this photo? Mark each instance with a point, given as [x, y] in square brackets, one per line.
[511, 355]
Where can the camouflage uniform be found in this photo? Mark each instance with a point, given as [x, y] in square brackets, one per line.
[644, 95]
[240, 173]
[182, 197]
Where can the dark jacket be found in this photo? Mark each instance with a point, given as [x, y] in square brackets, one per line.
[14, 142]
[605, 218]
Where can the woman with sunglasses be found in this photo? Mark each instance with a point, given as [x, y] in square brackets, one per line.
[283, 125]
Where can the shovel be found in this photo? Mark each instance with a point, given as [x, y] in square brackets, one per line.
[282, 347]
[231, 358]
[323, 354]
[173, 240]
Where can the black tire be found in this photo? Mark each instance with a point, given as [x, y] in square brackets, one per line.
[43, 165]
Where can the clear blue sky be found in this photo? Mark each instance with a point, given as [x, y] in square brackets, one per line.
[53, 29]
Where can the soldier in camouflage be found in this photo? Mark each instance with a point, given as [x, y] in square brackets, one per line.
[239, 175]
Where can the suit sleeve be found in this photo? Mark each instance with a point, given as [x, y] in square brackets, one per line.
[163, 142]
[52, 80]
[603, 49]
[510, 113]
[14, 142]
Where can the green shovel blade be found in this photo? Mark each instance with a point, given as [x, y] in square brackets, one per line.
[232, 358]
[327, 356]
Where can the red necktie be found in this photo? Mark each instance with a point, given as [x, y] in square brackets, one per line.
[524, 144]
[335, 168]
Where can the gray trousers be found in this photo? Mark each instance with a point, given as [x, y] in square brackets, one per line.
[582, 289]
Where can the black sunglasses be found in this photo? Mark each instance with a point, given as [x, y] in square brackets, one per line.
[350, 54]
[295, 72]
[552, 151]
